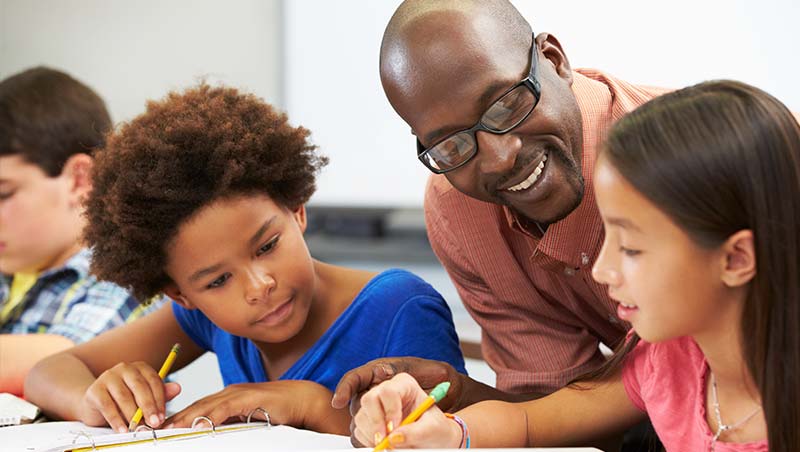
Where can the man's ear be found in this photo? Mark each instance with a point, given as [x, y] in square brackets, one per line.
[77, 173]
[172, 291]
[551, 49]
[739, 265]
[299, 215]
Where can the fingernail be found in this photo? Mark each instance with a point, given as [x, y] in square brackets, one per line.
[378, 437]
[154, 420]
[122, 430]
[390, 426]
[397, 439]
[161, 417]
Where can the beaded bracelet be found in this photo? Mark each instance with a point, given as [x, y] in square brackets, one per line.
[464, 430]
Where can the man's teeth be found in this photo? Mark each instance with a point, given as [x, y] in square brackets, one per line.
[629, 306]
[532, 178]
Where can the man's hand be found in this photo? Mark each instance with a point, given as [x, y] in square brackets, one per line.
[428, 374]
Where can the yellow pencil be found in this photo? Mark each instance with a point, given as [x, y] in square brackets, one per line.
[436, 395]
[161, 373]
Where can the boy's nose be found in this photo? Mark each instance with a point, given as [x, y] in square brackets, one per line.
[259, 287]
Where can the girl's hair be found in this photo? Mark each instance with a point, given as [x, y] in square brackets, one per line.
[717, 158]
[186, 151]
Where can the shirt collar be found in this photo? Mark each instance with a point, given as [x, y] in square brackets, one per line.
[571, 238]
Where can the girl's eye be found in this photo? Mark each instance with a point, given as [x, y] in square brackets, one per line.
[6, 194]
[629, 252]
[219, 282]
[267, 247]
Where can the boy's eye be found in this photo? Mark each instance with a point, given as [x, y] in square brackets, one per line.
[219, 282]
[267, 247]
[6, 194]
[629, 252]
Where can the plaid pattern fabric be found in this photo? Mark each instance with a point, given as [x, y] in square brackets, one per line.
[72, 303]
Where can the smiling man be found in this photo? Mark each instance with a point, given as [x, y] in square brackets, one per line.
[511, 131]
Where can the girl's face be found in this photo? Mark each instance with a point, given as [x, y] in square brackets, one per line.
[665, 284]
[244, 263]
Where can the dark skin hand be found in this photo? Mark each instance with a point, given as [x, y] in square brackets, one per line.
[463, 391]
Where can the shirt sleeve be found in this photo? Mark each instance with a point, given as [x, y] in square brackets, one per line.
[423, 327]
[100, 307]
[196, 325]
[531, 348]
[636, 368]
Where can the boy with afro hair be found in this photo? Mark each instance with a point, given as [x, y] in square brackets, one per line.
[202, 198]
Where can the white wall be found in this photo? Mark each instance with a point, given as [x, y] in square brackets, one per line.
[332, 84]
[319, 60]
[130, 51]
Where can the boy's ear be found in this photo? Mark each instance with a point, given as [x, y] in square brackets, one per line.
[78, 175]
[172, 291]
[299, 215]
[740, 259]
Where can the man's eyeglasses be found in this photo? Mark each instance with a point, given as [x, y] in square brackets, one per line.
[507, 112]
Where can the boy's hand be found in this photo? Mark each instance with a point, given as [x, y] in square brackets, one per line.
[302, 404]
[386, 405]
[117, 393]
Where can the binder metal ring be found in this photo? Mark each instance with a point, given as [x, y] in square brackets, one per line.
[204, 418]
[266, 415]
[88, 436]
[146, 427]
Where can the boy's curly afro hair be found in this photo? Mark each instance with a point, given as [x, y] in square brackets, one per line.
[186, 151]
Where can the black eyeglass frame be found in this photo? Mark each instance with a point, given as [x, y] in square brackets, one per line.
[531, 82]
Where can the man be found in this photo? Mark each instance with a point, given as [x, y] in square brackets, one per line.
[514, 131]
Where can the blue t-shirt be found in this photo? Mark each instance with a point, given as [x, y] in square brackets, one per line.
[395, 314]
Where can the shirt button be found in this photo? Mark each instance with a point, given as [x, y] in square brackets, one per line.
[569, 271]
[612, 318]
[584, 259]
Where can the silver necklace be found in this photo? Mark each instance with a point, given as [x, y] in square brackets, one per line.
[722, 427]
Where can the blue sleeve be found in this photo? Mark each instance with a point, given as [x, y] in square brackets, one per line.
[423, 327]
[196, 325]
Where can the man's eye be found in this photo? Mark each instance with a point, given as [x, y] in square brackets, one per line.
[219, 282]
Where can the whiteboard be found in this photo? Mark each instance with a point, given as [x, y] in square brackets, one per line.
[331, 82]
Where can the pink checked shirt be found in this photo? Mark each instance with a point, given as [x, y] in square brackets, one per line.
[542, 315]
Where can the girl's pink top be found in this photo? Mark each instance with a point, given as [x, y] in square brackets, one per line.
[667, 380]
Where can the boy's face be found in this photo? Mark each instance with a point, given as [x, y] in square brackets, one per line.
[244, 263]
[40, 216]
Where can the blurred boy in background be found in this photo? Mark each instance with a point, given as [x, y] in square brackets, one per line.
[50, 124]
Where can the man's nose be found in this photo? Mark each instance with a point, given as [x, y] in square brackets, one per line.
[497, 153]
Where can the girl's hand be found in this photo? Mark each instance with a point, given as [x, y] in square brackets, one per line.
[386, 405]
[298, 403]
[113, 398]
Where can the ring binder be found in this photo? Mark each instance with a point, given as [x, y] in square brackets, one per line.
[123, 439]
[146, 427]
[204, 418]
[266, 416]
[88, 436]
[244, 437]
